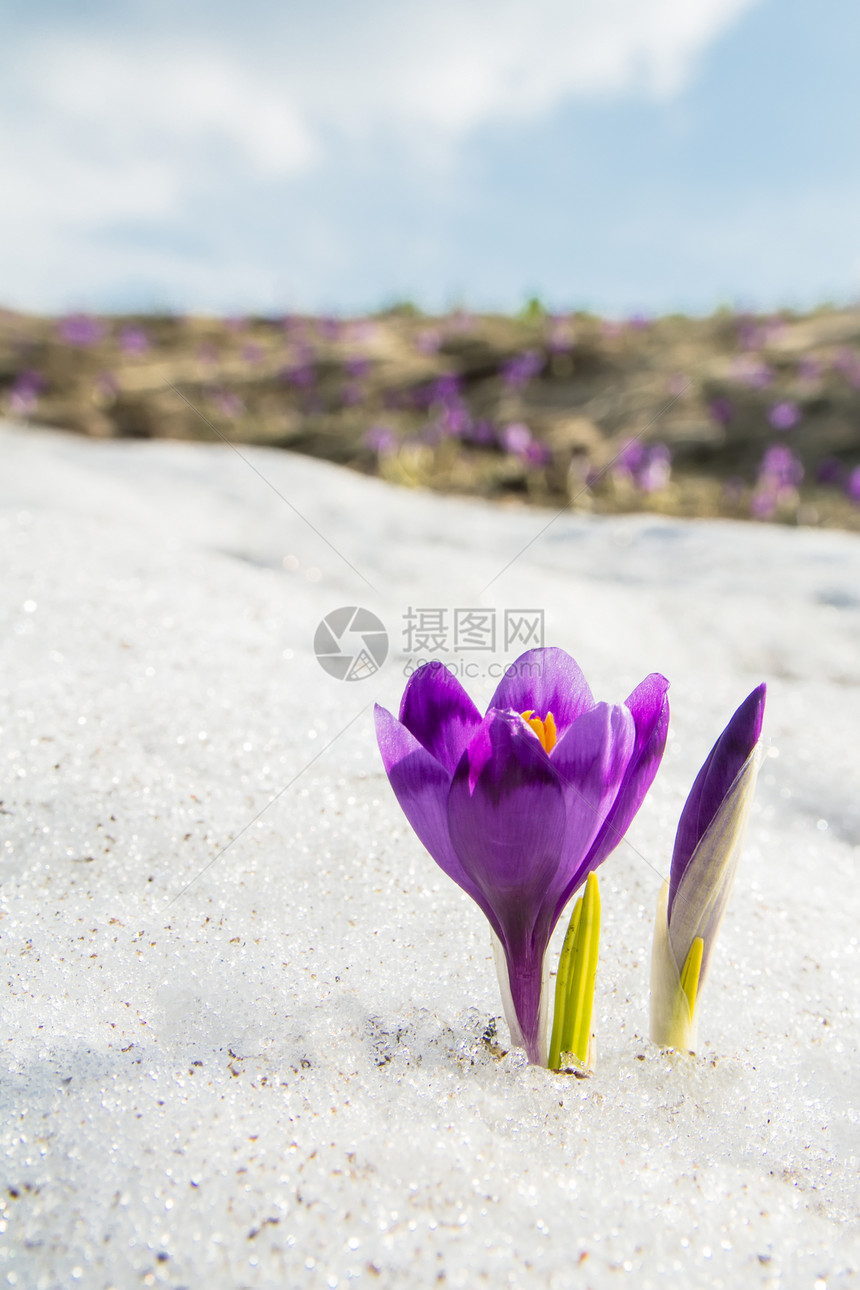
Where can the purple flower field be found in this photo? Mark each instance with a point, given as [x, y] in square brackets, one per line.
[734, 415]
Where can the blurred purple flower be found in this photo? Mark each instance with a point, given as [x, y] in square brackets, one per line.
[647, 467]
[24, 393]
[382, 440]
[483, 433]
[252, 352]
[753, 372]
[207, 353]
[80, 329]
[446, 388]
[522, 368]
[133, 340]
[809, 369]
[352, 394]
[516, 438]
[301, 375]
[106, 385]
[852, 488]
[722, 410]
[653, 476]
[755, 334]
[360, 331]
[779, 476]
[560, 337]
[358, 367]
[631, 457]
[329, 328]
[456, 421]
[461, 321]
[781, 464]
[428, 342]
[228, 403]
[537, 454]
[784, 415]
[830, 471]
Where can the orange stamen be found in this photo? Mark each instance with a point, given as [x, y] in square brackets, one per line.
[544, 729]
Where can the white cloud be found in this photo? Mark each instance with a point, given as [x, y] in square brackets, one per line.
[134, 99]
[137, 126]
[461, 63]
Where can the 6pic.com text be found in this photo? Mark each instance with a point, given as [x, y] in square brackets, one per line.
[472, 670]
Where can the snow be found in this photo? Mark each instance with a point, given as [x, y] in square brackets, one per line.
[270, 1062]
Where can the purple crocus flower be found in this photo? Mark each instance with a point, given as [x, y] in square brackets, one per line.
[519, 806]
[446, 389]
[357, 367]
[302, 376]
[537, 454]
[516, 438]
[381, 440]
[229, 404]
[630, 459]
[704, 863]
[133, 340]
[455, 420]
[428, 342]
[830, 471]
[80, 329]
[779, 476]
[784, 415]
[752, 371]
[722, 410]
[560, 337]
[656, 471]
[522, 368]
[809, 369]
[24, 393]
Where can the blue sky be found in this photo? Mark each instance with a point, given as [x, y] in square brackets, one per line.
[338, 155]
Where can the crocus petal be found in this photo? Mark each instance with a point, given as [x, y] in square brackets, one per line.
[439, 713]
[421, 786]
[725, 760]
[591, 760]
[703, 892]
[649, 707]
[507, 820]
[544, 680]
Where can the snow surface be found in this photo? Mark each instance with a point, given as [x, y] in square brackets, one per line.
[267, 1066]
